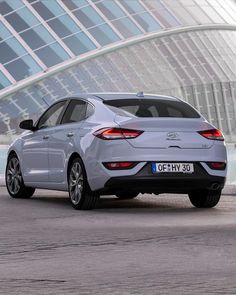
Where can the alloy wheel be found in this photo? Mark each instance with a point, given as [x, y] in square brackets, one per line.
[76, 183]
[14, 177]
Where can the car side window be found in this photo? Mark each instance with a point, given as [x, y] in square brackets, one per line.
[51, 116]
[76, 112]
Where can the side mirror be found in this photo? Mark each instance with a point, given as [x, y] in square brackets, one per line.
[27, 124]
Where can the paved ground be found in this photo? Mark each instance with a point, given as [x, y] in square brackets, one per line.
[151, 245]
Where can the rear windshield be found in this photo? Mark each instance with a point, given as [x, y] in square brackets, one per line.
[152, 108]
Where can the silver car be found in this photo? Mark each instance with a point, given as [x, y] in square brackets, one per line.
[118, 144]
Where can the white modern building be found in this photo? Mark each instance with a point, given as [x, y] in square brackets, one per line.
[52, 48]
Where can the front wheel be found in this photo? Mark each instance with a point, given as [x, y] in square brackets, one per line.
[14, 180]
[205, 199]
[81, 196]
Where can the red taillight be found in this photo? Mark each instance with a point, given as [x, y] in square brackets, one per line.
[119, 165]
[217, 165]
[213, 134]
[116, 133]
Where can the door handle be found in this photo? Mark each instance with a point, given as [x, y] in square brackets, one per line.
[70, 134]
[46, 137]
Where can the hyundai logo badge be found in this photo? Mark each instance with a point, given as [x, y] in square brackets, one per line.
[172, 136]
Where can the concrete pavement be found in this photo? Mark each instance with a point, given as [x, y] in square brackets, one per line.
[150, 245]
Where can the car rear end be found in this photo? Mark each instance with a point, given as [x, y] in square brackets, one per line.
[157, 145]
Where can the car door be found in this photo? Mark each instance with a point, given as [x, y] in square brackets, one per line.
[35, 145]
[64, 138]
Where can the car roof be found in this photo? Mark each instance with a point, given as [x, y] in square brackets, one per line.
[120, 95]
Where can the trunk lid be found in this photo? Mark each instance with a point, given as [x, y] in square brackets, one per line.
[166, 133]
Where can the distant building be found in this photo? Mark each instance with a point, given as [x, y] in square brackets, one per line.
[50, 49]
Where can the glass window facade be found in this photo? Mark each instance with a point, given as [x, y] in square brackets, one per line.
[4, 82]
[8, 6]
[48, 9]
[140, 14]
[110, 9]
[4, 33]
[166, 18]
[15, 58]
[126, 27]
[93, 22]
[37, 37]
[52, 54]
[132, 7]
[10, 49]
[147, 22]
[22, 67]
[73, 4]
[66, 27]
[79, 43]
[104, 34]
[88, 17]
[22, 19]
[118, 18]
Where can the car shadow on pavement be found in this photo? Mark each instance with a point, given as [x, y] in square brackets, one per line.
[111, 204]
[115, 206]
[55, 201]
[146, 203]
[150, 203]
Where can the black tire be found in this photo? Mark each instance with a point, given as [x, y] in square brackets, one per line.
[81, 196]
[205, 199]
[14, 180]
[127, 195]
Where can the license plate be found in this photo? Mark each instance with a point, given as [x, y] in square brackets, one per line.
[172, 168]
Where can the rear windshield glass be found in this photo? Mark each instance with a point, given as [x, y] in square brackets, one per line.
[152, 108]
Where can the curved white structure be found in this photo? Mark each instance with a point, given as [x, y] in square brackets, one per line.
[54, 48]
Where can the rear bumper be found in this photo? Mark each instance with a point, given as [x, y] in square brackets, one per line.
[147, 182]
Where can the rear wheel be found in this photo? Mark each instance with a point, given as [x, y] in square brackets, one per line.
[14, 180]
[81, 196]
[205, 199]
[126, 195]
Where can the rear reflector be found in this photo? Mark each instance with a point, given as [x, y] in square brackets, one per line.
[213, 134]
[119, 165]
[217, 165]
[116, 133]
